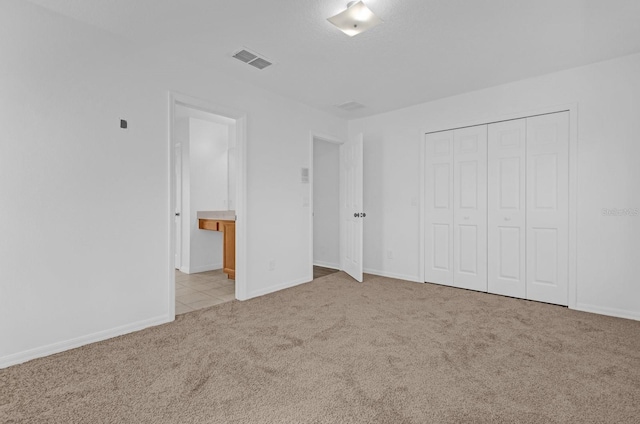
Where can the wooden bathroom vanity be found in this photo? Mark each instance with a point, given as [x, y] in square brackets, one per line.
[223, 221]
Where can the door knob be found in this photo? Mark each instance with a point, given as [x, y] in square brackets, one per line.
[177, 213]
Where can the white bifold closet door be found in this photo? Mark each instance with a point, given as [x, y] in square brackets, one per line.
[548, 208]
[456, 208]
[507, 208]
[470, 208]
[528, 205]
[439, 208]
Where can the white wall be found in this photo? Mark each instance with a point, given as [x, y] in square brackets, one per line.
[84, 217]
[208, 148]
[608, 98]
[326, 204]
[207, 169]
[232, 168]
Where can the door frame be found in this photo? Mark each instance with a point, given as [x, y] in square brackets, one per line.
[313, 136]
[178, 198]
[240, 117]
[572, 108]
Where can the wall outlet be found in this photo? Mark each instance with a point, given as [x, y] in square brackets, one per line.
[389, 254]
[272, 265]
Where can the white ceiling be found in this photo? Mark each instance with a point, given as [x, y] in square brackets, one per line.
[425, 50]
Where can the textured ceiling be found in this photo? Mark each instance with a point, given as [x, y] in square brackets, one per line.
[426, 49]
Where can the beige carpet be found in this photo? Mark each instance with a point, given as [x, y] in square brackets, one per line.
[335, 351]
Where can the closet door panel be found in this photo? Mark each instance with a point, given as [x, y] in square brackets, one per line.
[506, 208]
[548, 208]
[439, 207]
[470, 208]
[468, 249]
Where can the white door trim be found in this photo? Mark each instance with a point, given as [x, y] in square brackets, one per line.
[241, 181]
[572, 108]
[177, 151]
[314, 136]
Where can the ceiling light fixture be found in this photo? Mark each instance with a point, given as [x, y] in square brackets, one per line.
[355, 19]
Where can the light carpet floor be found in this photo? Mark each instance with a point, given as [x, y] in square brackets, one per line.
[336, 351]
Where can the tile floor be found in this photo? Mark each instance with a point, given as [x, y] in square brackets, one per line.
[204, 289]
[201, 290]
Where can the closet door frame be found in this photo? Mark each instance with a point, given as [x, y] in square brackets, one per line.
[572, 108]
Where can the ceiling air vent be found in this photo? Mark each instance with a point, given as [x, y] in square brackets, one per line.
[260, 63]
[245, 56]
[349, 106]
[252, 58]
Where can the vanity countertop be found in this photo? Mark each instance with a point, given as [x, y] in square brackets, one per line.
[219, 215]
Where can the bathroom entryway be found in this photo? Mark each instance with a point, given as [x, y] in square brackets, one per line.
[208, 159]
[202, 290]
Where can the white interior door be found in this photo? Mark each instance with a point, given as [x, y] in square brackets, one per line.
[439, 208]
[178, 206]
[470, 208]
[352, 172]
[506, 208]
[548, 208]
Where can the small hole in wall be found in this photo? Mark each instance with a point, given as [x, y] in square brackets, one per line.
[123, 124]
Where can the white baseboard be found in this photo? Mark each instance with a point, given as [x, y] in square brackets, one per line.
[39, 352]
[279, 287]
[327, 265]
[202, 268]
[412, 278]
[619, 313]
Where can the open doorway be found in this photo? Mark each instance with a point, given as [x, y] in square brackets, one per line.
[325, 206]
[207, 204]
